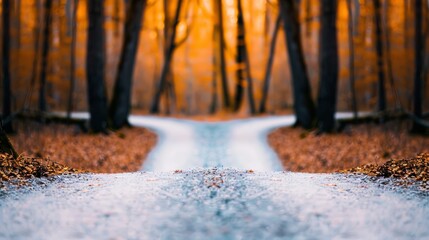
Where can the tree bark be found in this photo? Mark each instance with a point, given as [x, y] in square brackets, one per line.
[328, 53]
[45, 55]
[381, 107]
[267, 77]
[418, 68]
[121, 102]
[352, 59]
[167, 61]
[222, 61]
[303, 103]
[72, 59]
[7, 91]
[246, 58]
[239, 58]
[95, 67]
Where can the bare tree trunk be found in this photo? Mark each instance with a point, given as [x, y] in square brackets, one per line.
[267, 77]
[45, 52]
[72, 60]
[243, 62]
[167, 61]
[303, 103]
[95, 67]
[215, 68]
[352, 59]
[418, 70]
[239, 58]
[328, 53]
[121, 102]
[224, 76]
[35, 64]
[380, 58]
[7, 91]
[390, 73]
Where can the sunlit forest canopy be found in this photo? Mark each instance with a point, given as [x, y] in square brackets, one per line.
[194, 85]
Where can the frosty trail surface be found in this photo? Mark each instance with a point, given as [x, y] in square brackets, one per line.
[213, 196]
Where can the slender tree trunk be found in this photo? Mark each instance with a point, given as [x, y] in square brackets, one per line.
[72, 59]
[7, 91]
[303, 103]
[390, 74]
[45, 55]
[418, 69]
[167, 61]
[244, 60]
[222, 61]
[328, 53]
[380, 57]
[352, 59]
[267, 77]
[121, 102]
[95, 67]
[239, 59]
[215, 68]
[35, 63]
[170, 92]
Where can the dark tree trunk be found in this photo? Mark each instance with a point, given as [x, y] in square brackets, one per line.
[5, 145]
[328, 53]
[215, 68]
[7, 91]
[418, 70]
[72, 59]
[45, 53]
[303, 103]
[381, 107]
[222, 61]
[167, 61]
[95, 67]
[35, 64]
[121, 102]
[239, 58]
[267, 77]
[352, 59]
[245, 53]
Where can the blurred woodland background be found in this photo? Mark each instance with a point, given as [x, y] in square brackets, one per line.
[197, 57]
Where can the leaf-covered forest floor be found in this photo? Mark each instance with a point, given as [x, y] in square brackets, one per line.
[376, 150]
[122, 151]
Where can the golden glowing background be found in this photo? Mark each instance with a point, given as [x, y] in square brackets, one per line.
[192, 64]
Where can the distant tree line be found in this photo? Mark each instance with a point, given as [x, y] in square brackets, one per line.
[309, 113]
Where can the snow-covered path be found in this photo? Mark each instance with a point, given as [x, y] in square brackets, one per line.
[218, 199]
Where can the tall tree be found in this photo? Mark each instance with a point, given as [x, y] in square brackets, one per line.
[224, 77]
[381, 107]
[95, 67]
[418, 69]
[352, 73]
[303, 103]
[243, 62]
[239, 58]
[7, 91]
[72, 59]
[167, 61]
[328, 53]
[267, 77]
[121, 102]
[215, 67]
[45, 55]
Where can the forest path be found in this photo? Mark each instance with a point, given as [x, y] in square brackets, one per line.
[218, 200]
